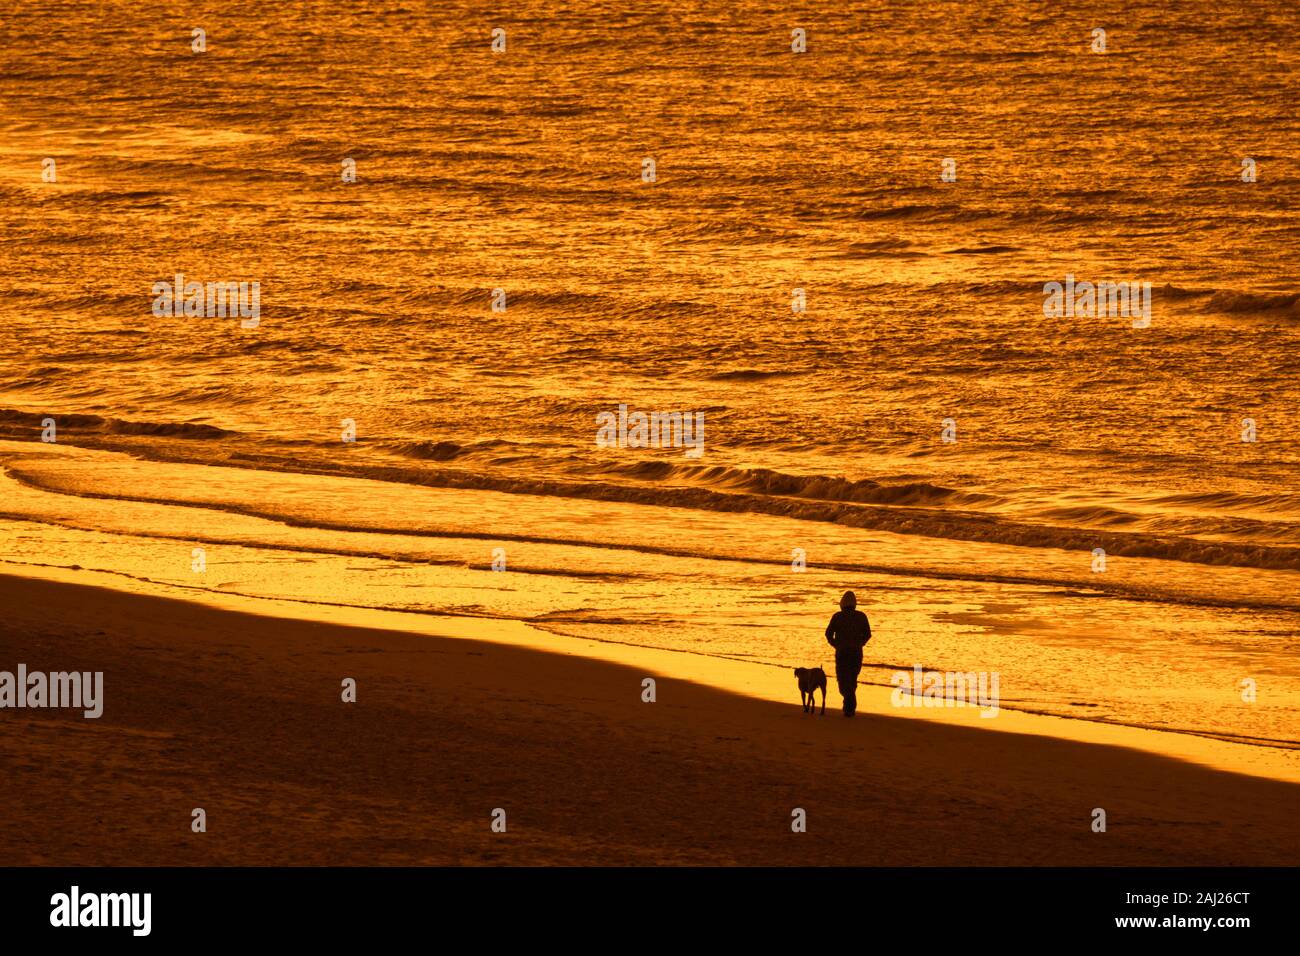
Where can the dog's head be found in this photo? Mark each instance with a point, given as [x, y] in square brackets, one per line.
[809, 677]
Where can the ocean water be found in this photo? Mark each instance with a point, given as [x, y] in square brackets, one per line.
[774, 172]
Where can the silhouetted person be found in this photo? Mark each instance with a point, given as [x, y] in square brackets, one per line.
[848, 632]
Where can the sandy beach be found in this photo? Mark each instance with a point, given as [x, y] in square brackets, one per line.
[242, 716]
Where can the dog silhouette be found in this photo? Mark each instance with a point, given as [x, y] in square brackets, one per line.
[811, 678]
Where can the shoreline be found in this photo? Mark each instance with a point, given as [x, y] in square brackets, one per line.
[1065, 642]
[240, 713]
[759, 679]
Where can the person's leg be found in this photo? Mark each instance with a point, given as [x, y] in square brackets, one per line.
[846, 675]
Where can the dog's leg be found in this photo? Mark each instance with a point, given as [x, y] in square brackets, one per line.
[823, 700]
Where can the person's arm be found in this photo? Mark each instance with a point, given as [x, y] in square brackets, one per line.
[868, 621]
[830, 631]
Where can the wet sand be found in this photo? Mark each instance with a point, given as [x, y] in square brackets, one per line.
[241, 715]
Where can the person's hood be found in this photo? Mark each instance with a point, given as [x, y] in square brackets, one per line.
[849, 601]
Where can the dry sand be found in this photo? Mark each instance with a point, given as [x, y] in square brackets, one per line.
[241, 715]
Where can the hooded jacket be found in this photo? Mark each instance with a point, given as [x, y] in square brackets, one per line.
[849, 629]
